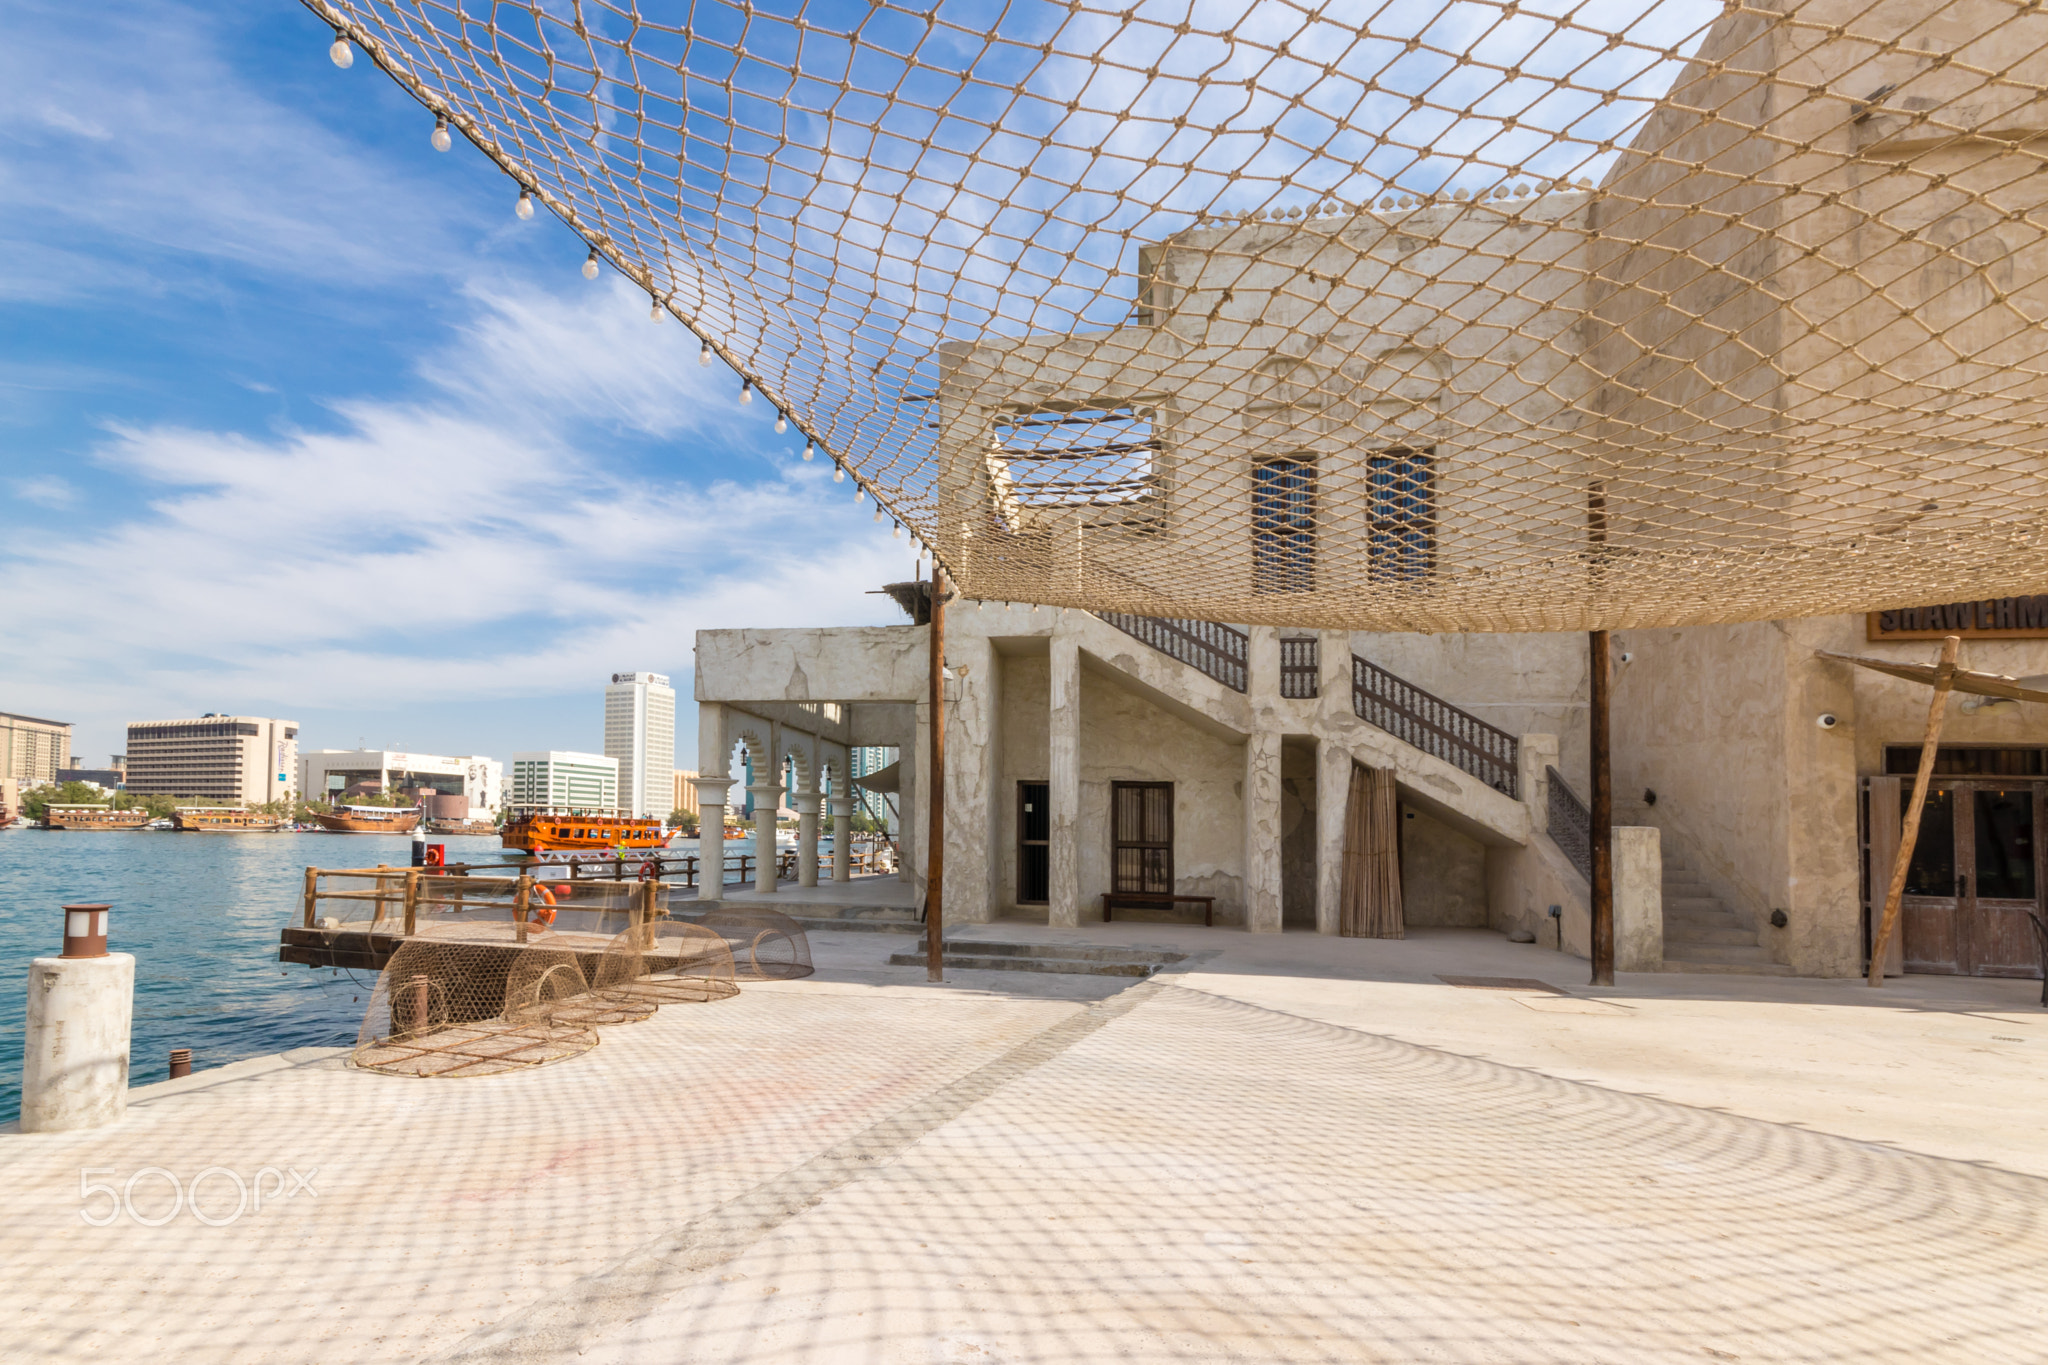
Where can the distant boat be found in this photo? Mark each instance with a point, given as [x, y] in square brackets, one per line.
[224, 820]
[369, 819]
[446, 827]
[93, 817]
[546, 830]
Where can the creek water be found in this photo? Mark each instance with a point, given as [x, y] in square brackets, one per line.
[201, 913]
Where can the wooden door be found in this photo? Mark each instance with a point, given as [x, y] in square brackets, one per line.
[1034, 843]
[1929, 921]
[1141, 820]
[2001, 880]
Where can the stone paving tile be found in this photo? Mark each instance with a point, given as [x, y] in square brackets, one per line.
[1204, 1179]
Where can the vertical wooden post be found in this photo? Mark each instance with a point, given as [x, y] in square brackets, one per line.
[383, 893]
[519, 906]
[1937, 710]
[1603, 814]
[935, 833]
[412, 902]
[312, 893]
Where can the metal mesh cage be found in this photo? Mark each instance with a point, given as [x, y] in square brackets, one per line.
[767, 945]
[674, 962]
[473, 1004]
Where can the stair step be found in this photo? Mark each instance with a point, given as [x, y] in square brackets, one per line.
[1728, 968]
[858, 926]
[1733, 935]
[998, 962]
[1075, 952]
[1716, 952]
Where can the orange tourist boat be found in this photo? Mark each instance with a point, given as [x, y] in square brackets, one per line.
[368, 819]
[541, 830]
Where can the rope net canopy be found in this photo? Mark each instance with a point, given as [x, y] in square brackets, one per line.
[1486, 315]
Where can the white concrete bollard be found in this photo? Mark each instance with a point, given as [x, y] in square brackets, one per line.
[81, 1006]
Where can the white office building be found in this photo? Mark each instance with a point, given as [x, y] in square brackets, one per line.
[345, 774]
[640, 733]
[561, 780]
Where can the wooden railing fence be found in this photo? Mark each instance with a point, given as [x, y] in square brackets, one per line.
[1434, 726]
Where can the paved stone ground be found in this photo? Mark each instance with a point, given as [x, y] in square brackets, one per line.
[1237, 1161]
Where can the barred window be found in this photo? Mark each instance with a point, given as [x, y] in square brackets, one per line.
[1403, 514]
[1284, 525]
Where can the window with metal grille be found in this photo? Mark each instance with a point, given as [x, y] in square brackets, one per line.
[1284, 525]
[1076, 456]
[1141, 828]
[1402, 529]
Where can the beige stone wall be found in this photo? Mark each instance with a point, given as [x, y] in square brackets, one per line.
[1443, 874]
[1525, 684]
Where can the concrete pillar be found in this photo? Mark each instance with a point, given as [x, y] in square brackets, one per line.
[74, 1061]
[711, 837]
[842, 838]
[1262, 831]
[806, 838]
[767, 800]
[1063, 787]
[1262, 667]
[1638, 898]
[1333, 800]
[1538, 756]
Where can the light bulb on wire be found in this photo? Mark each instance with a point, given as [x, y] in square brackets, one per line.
[838, 472]
[858, 495]
[810, 449]
[746, 391]
[654, 314]
[525, 207]
[341, 54]
[895, 531]
[704, 354]
[590, 265]
[878, 511]
[440, 139]
[781, 424]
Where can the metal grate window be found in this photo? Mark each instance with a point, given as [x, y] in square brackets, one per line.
[1284, 525]
[1403, 517]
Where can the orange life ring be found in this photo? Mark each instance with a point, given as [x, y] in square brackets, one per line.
[544, 914]
[647, 872]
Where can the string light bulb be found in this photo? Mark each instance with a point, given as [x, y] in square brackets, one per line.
[781, 423]
[895, 530]
[525, 207]
[341, 54]
[440, 139]
[810, 449]
[590, 265]
[878, 511]
[704, 354]
[654, 313]
[746, 391]
[858, 494]
[838, 472]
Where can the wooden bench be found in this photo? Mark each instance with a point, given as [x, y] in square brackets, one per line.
[1155, 900]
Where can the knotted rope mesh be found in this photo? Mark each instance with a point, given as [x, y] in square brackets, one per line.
[1485, 315]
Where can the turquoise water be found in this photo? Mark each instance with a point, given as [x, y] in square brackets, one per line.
[201, 913]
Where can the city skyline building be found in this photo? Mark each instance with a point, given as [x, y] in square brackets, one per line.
[330, 774]
[685, 795]
[640, 733]
[564, 780]
[246, 760]
[33, 749]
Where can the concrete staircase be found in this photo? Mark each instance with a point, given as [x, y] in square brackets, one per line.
[1703, 935]
[1075, 959]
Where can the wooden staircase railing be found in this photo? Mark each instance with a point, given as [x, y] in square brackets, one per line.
[1222, 652]
[1436, 727]
[1571, 824]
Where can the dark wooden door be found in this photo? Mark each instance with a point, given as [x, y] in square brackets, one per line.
[1141, 820]
[1974, 880]
[1034, 843]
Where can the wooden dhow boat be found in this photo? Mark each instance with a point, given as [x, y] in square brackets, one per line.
[541, 830]
[224, 820]
[369, 819]
[93, 817]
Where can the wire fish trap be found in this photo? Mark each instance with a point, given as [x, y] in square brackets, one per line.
[767, 945]
[670, 962]
[475, 1005]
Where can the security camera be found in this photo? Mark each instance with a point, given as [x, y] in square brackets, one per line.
[1827, 720]
[1627, 657]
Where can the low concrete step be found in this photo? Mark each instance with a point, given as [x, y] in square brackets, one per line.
[1728, 968]
[812, 924]
[1077, 952]
[998, 962]
[1731, 933]
[1716, 952]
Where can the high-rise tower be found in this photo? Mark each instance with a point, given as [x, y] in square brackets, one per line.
[640, 732]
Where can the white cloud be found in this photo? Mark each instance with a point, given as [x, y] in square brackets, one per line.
[465, 546]
[46, 491]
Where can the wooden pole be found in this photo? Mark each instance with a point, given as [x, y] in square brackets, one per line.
[312, 892]
[520, 902]
[1603, 816]
[935, 833]
[1937, 709]
[412, 902]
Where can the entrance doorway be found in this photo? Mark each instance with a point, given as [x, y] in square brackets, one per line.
[1974, 879]
[1141, 820]
[1034, 843]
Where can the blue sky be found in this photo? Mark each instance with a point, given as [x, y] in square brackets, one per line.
[297, 419]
